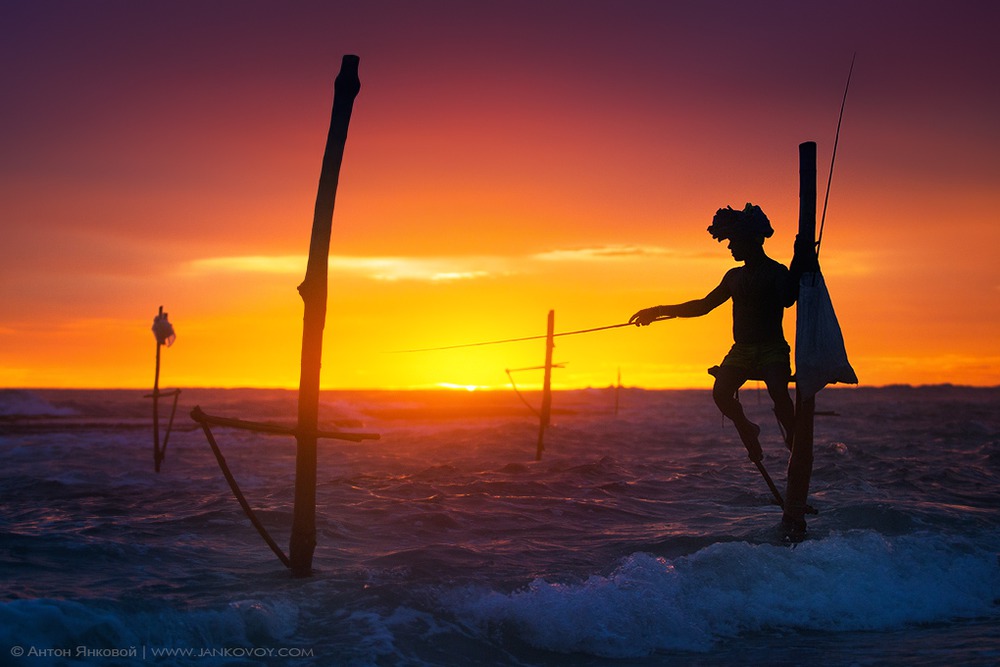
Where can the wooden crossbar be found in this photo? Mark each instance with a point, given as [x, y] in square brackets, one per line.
[276, 429]
[169, 392]
[203, 419]
[206, 421]
[561, 364]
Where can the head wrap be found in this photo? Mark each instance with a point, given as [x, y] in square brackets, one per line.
[749, 222]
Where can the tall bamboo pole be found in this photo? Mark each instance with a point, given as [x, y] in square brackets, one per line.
[801, 460]
[546, 386]
[314, 297]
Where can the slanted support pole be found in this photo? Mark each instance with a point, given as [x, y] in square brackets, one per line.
[801, 460]
[314, 296]
[546, 386]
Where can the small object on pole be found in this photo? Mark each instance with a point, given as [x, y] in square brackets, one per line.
[314, 297]
[544, 416]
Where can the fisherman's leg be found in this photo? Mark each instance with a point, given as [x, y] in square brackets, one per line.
[728, 379]
[776, 378]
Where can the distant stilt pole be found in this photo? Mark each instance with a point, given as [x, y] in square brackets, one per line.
[314, 297]
[546, 386]
[618, 390]
[801, 460]
[164, 333]
[157, 457]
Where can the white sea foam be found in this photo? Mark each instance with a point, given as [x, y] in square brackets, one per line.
[855, 581]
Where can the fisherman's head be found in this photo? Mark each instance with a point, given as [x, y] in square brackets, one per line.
[745, 230]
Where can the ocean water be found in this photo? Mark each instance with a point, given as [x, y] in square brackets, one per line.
[641, 538]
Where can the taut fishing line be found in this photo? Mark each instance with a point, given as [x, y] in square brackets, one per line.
[833, 159]
[524, 338]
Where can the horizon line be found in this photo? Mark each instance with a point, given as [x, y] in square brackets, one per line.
[459, 389]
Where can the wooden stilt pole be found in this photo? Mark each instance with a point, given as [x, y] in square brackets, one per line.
[314, 296]
[618, 390]
[164, 334]
[546, 386]
[157, 458]
[801, 460]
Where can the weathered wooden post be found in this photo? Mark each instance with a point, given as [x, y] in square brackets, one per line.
[820, 355]
[801, 460]
[546, 386]
[314, 297]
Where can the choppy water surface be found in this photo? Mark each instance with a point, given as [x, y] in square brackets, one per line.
[642, 538]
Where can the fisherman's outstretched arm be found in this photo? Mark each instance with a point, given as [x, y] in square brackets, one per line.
[695, 308]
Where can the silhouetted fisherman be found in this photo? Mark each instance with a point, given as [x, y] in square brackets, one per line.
[761, 289]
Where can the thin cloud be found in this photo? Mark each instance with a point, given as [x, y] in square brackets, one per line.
[442, 269]
[608, 253]
[249, 264]
[430, 269]
[390, 269]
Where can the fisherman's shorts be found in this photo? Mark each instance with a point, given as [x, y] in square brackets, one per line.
[754, 358]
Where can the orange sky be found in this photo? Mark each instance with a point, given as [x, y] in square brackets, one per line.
[504, 159]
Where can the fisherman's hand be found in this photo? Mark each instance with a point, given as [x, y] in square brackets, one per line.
[804, 260]
[645, 316]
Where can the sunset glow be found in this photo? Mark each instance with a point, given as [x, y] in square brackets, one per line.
[503, 160]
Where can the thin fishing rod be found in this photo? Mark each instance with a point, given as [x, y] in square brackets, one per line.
[836, 140]
[524, 338]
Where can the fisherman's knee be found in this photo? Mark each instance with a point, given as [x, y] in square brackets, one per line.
[724, 396]
[777, 381]
[779, 394]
